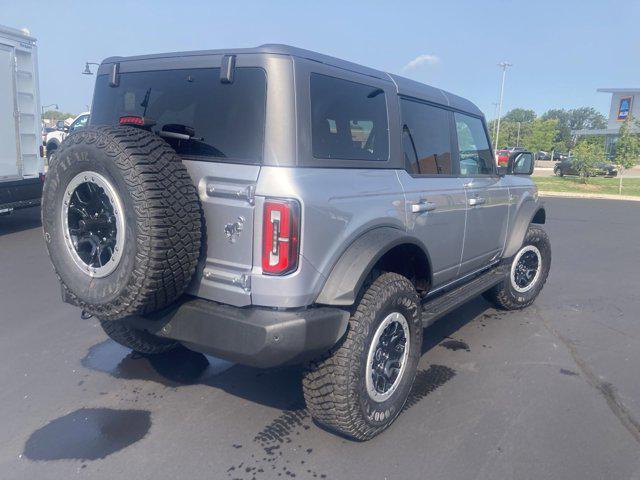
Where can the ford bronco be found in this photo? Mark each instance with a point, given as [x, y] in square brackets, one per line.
[277, 206]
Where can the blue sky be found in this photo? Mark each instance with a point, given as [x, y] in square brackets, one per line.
[562, 51]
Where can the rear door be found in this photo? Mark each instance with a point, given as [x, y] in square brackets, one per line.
[435, 197]
[487, 195]
[9, 165]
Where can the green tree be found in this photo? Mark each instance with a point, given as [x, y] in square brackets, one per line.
[627, 148]
[57, 115]
[515, 125]
[583, 118]
[521, 115]
[586, 157]
[542, 136]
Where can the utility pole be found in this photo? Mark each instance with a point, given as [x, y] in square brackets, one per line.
[518, 137]
[504, 66]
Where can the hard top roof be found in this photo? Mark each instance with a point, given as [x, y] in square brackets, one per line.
[404, 86]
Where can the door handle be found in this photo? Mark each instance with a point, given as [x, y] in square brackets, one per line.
[476, 201]
[423, 206]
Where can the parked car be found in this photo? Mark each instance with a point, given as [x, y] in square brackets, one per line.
[21, 162]
[504, 153]
[567, 167]
[55, 138]
[276, 206]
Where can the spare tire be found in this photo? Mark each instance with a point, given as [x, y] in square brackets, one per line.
[121, 220]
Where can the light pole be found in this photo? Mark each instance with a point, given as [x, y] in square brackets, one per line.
[504, 66]
[54, 105]
[495, 121]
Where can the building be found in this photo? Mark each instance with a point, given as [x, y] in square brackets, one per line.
[625, 102]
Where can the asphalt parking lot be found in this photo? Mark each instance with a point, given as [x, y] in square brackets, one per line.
[551, 392]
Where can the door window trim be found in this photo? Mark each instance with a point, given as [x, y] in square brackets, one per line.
[453, 142]
[494, 172]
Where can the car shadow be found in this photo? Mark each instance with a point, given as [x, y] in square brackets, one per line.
[446, 326]
[20, 220]
[276, 387]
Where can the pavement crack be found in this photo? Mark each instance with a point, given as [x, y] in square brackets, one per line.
[606, 389]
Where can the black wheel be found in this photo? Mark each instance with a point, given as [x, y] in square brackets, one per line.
[558, 172]
[121, 221]
[137, 340]
[361, 386]
[527, 273]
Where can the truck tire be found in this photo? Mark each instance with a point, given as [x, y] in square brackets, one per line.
[121, 221]
[527, 273]
[359, 388]
[139, 341]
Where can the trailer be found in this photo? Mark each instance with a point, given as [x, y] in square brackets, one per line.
[21, 162]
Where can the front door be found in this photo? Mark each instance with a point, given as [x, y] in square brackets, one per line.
[487, 196]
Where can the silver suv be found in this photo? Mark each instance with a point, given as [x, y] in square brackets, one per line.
[275, 206]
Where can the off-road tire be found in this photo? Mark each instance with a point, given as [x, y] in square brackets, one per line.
[139, 341]
[163, 221]
[504, 295]
[334, 386]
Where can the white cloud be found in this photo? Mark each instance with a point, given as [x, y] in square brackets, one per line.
[424, 59]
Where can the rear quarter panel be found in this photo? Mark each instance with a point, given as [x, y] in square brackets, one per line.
[337, 206]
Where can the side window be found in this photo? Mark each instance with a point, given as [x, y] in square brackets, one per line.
[348, 120]
[426, 138]
[473, 146]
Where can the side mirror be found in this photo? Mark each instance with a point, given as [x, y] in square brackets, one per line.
[60, 125]
[521, 163]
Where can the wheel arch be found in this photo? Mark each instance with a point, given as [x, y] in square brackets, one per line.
[384, 248]
[530, 210]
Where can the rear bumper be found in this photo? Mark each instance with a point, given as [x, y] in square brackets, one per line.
[20, 194]
[254, 336]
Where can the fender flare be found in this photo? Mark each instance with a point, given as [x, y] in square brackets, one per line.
[530, 210]
[357, 261]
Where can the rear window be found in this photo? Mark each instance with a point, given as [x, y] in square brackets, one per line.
[225, 121]
[348, 120]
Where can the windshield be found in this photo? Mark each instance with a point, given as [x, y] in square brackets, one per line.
[225, 121]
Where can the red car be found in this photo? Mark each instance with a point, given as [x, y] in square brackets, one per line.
[503, 154]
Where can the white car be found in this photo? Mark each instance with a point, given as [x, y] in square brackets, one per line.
[55, 138]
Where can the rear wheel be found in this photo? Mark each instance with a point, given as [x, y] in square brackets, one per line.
[527, 273]
[361, 386]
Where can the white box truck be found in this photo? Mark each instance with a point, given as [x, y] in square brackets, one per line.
[21, 162]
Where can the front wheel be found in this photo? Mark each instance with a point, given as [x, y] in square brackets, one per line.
[527, 273]
[361, 386]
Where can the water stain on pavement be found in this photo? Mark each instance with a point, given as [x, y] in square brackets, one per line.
[455, 345]
[177, 367]
[279, 449]
[88, 434]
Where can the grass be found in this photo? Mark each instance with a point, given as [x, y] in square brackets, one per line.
[630, 186]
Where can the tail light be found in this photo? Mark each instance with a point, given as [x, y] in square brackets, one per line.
[280, 236]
